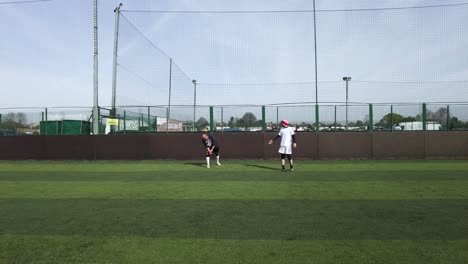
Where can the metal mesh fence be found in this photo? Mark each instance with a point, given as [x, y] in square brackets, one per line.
[224, 119]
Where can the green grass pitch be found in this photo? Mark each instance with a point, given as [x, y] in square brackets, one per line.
[243, 212]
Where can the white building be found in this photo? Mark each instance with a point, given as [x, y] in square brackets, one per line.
[418, 125]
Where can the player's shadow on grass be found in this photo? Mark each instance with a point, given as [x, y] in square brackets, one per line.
[197, 164]
[260, 167]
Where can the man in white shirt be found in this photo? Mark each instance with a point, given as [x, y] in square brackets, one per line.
[288, 141]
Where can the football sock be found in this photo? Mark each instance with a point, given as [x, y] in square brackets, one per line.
[208, 162]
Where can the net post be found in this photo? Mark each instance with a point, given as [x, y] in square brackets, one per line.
[317, 126]
[371, 118]
[211, 119]
[448, 117]
[168, 113]
[95, 72]
[263, 119]
[424, 117]
[194, 103]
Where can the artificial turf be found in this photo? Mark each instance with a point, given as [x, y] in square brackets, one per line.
[242, 212]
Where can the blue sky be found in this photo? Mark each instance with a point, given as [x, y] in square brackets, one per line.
[393, 56]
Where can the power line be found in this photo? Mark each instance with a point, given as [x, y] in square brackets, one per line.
[292, 11]
[23, 2]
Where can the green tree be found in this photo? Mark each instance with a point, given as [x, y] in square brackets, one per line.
[438, 116]
[21, 119]
[390, 119]
[247, 120]
[9, 121]
[231, 122]
[202, 123]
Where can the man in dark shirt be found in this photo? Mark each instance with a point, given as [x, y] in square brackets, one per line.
[211, 146]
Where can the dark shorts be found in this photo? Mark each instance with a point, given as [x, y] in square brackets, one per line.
[215, 150]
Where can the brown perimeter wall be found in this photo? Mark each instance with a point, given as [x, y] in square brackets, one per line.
[352, 145]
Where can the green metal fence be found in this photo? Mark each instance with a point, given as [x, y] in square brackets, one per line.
[304, 118]
[247, 118]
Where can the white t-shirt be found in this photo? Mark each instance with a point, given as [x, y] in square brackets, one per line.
[286, 134]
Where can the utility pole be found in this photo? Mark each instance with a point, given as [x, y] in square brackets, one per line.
[95, 73]
[114, 65]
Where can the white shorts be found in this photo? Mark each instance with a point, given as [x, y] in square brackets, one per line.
[285, 150]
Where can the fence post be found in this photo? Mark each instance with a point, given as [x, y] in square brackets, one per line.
[125, 122]
[149, 119]
[211, 119]
[371, 118]
[277, 116]
[424, 112]
[391, 117]
[448, 117]
[167, 119]
[118, 120]
[46, 123]
[222, 119]
[156, 124]
[100, 120]
[334, 122]
[317, 126]
[263, 119]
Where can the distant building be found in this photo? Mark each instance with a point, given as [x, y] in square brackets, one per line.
[171, 126]
[418, 125]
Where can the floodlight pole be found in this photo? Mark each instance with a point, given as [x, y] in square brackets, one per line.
[114, 63]
[347, 79]
[95, 73]
[194, 102]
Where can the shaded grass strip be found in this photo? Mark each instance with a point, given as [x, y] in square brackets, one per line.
[87, 249]
[249, 219]
[326, 190]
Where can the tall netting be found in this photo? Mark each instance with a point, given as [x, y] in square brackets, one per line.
[240, 59]
[403, 55]
[240, 65]
[235, 58]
